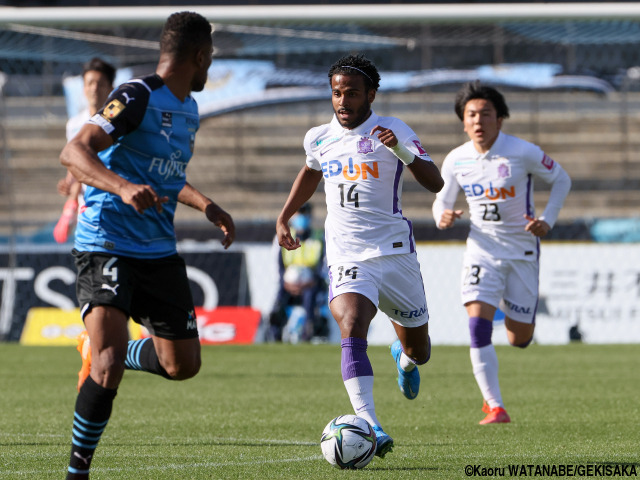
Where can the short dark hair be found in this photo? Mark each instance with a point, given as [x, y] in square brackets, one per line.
[98, 65]
[184, 33]
[357, 65]
[475, 89]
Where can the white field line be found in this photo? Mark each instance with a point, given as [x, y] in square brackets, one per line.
[214, 440]
[168, 466]
[172, 466]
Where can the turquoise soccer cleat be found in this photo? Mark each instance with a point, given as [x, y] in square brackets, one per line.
[409, 382]
[384, 443]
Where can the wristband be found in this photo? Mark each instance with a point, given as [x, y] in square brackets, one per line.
[405, 155]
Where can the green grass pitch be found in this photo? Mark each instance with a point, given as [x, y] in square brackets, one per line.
[257, 412]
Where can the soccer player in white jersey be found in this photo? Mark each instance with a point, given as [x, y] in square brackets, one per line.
[501, 263]
[370, 246]
[97, 82]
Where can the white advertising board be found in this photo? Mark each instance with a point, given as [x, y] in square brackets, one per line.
[595, 287]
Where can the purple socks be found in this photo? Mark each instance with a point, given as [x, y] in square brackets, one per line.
[480, 330]
[355, 362]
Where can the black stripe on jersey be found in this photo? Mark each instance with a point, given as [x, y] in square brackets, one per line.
[127, 105]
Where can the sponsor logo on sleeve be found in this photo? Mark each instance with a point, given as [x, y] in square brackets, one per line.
[113, 109]
[547, 162]
[421, 151]
[127, 98]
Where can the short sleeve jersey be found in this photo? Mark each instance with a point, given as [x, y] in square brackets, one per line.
[498, 186]
[363, 187]
[154, 135]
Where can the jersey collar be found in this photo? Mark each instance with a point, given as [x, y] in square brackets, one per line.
[496, 146]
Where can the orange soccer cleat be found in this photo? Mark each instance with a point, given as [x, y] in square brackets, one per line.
[84, 347]
[494, 415]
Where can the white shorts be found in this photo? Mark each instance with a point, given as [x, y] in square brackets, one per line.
[393, 283]
[510, 285]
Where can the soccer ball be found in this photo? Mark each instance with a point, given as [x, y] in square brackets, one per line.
[348, 442]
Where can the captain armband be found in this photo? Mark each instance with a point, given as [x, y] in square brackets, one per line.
[405, 155]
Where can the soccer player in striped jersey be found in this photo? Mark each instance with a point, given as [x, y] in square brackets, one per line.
[495, 171]
[370, 246]
[133, 156]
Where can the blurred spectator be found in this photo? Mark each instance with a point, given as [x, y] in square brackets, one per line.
[97, 77]
[302, 283]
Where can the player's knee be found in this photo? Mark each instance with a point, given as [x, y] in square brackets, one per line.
[419, 355]
[110, 358]
[480, 330]
[422, 356]
[184, 370]
[352, 326]
[108, 366]
[517, 343]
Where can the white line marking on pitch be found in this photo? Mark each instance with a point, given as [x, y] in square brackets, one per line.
[175, 466]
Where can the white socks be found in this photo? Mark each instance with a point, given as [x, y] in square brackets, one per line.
[360, 390]
[406, 363]
[484, 362]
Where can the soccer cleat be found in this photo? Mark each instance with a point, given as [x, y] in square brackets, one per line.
[485, 406]
[495, 415]
[84, 347]
[384, 443]
[409, 382]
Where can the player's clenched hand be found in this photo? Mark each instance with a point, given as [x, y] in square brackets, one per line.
[285, 239]
[449, 217]
[223, 221]
[537, 227]
[142, 197]
[64, 187]
[386, 136]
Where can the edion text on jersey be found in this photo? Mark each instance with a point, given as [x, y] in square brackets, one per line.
[351, 171]
[492, 193]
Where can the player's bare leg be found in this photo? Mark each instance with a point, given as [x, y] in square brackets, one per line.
[107, 328]
[353, 313]
[519, 334]
[179, 358]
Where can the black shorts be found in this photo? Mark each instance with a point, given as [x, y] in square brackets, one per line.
[154, 292]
